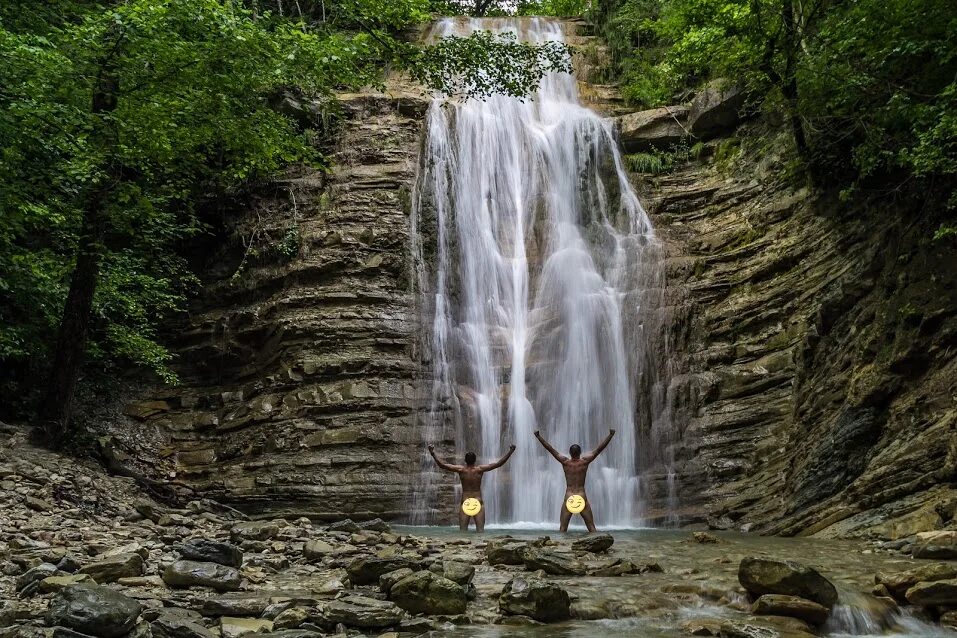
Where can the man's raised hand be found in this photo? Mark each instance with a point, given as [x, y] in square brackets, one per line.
[431, 447]
[512, 447]
[612, 431]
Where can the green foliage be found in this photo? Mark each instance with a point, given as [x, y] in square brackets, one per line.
[658, 162]
[191, 86]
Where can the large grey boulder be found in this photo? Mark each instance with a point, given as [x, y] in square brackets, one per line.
[545, 602]
[715, 109]
[554, 563]
[94, 610]
[187, 573]
[897, 583]
[792, 606]
[366, 571]
[110, 570]
[425, 592]
[939, 593]
[359, 612]
[769, 576]
[209, 551]
[659, 128]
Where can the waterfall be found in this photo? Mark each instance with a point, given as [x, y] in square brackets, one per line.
[540, 280]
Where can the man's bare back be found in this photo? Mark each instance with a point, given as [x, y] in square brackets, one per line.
[471, 475]
[576, 470]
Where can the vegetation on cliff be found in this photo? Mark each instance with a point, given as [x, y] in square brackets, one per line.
[868, 88]
[123, 123]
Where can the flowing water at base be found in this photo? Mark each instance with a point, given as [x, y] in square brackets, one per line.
[699, 584]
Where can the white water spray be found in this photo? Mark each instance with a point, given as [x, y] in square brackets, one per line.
[537, 271]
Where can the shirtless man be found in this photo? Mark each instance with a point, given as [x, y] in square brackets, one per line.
[576, 468]
[471, 476]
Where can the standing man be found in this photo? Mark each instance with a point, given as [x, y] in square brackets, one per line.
[576, 468]
[472, 506]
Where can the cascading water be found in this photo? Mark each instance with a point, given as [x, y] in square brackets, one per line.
[541, 280]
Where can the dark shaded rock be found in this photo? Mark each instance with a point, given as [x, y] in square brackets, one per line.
[345, 525]
[898, 583]
[704, 538]
[111, 569]
[659, 128]
[95, 610]
[386, 581]
[792, 606]
[594, 543]
[360, 612]
[554, 563]
[204, 550]
[366, 571]
[375, 525]
[620, 567]
[187, 573]
[545, 602]
[715, 109]
[35, 575]
[768, 576]
[424, 592]
[939, 593]
[461, 573]
[241, 604]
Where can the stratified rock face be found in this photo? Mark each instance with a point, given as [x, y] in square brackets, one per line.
[814, 351]
[298, 374]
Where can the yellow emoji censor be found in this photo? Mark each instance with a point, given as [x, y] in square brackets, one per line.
[471, 506]
[575, 503]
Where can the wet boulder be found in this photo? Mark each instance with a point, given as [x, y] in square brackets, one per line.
[28, 581]
[387, 580]
[791, 606]
[594, 543]
[456, 571]
[366, 571]
[554, 563]
[359, 612]
[187, 573]
[542, 601]
[897, 583]
[427, 593]
[94, 610]
[769, 576]
[506, 551]
[939, 593]
[253, 531]
[209, 551]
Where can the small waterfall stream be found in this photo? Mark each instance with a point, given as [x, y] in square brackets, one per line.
[540, 280]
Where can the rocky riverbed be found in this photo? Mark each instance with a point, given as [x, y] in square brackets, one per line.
[86, 554]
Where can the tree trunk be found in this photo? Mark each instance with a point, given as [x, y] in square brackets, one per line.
[789, 86]
[57, 408]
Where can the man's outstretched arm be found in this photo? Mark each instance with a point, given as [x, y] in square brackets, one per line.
[558, 457]
[591, 456]
[499, 463]
[445, 466]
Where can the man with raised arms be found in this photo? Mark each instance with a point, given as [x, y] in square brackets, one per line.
[576, 468]
[472, 506]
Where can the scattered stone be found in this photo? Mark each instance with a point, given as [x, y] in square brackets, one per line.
[704, 538]
[937, 593]
[424, 592]
[253, 531]
[35, 575]
[291, 618]
[366, 571]
[174, 626]
[236, 627]
[187, 573]
[792, 606]
[542, 601]
[949, 619]
[38, 504]
[594, 543]
[768, 576]
[251, 604]
[898, 583]
[554, 563]
[458, 572]
[387, 580]
[53, 584]
[360, 612]
[345, 526]
[95, 610]
[376, 525]
[940, 545]
[506, 552]
[111, 569]
[317, 549]
[619, 567]
[204, 550]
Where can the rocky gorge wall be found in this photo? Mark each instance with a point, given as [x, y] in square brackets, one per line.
[814, 342]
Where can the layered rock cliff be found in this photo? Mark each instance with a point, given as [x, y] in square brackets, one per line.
[814, 344]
